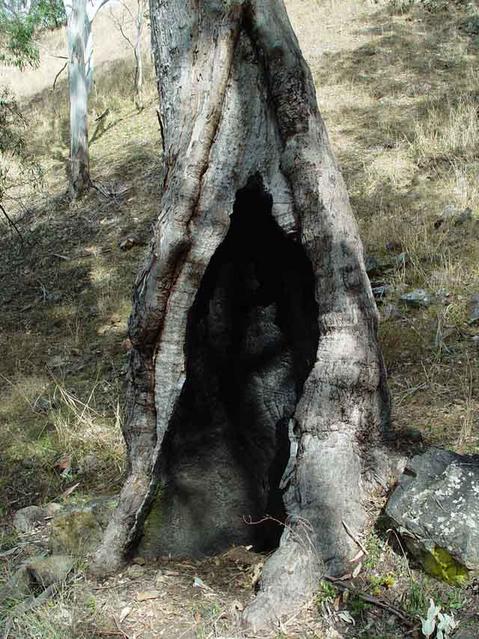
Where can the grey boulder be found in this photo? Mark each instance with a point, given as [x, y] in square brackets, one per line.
[26, 519]
[435, 508]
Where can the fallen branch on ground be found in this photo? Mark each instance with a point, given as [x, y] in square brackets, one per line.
[380, 603]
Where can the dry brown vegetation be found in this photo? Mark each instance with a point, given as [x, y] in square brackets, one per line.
[398, 86]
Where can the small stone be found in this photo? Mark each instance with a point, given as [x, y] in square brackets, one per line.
[26, 519]
[148, 594]
[373, 266]
[129, 242]
[53, 297]
[463, 217]
[140, 561]
[381, 291]
[419, 298]
[42, 405]
[52, 509]
[135, 571]
[449, 211]
[474, 309]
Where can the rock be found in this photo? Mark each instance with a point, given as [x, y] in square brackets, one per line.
[75, 532]
[381, 291]
[435, 508]
[43, 405]
[129, 242]
[135, 571]
[419, 298]
[474, 309]
[373, 265]
[37, 572]
[52, 509]
[454, 215]
[26, 519]
[46, 571]
[78, 529]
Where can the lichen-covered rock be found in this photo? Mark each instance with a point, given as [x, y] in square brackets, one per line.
[435, 508]
[46, 571]
[419, 298]
[36, 573]
[27, 518]
[78, 530]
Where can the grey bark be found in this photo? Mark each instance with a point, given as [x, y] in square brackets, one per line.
[78, 33]
[237, 104]
[80, 15]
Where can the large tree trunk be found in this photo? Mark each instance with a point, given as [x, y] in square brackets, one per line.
[256, 384]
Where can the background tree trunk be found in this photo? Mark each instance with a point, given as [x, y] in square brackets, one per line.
[80, 15]
[255, 228]
[78, 35]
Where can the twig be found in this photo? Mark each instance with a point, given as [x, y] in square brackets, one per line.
[380, 603]
[12, 223]
[120, 629]
[59, 73]
[353, 537]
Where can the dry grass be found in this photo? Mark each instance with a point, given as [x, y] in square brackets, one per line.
[67, 294]
[401, 103]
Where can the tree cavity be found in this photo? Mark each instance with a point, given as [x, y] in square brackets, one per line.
[251, 342]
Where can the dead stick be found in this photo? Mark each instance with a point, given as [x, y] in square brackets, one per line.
[59, 73]
[380, 603]
[353, 537]
[9, 219]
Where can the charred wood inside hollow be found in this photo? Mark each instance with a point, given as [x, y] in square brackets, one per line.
[251, 342]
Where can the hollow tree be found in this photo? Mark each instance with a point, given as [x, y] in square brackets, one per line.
[256, 383]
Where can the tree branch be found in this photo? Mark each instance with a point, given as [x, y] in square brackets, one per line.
[59, 73]
[12, 223]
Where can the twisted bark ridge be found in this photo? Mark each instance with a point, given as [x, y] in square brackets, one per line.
[256, 384]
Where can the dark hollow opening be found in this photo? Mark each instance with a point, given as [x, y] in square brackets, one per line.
[251, 342]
